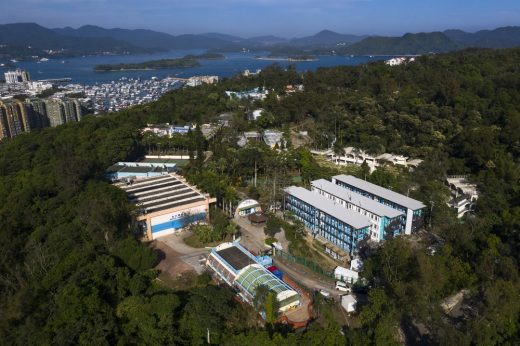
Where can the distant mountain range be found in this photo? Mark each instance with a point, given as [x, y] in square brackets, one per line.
[26, 39]
[423, 43]
[36, 37]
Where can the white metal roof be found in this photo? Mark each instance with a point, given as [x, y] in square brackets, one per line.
[328, 206]
[361, 201]
[379, 191]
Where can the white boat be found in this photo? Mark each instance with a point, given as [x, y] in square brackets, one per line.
[44, 59]
[14, 60]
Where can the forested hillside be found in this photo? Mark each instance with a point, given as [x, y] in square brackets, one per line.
[71, 271]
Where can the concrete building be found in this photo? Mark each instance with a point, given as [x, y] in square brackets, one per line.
[199, 80]
[55, 112]
[346, 275]
[61, 111]
[464, 194]
[139, 170]
[238, 268]
[166, 204]
[356, 156]
[37, 113]
[14, 119]
[349, 303]
[327, 220]
[16, 76]
[253, 94]
[273, 138]
[385, 221]
[412, 209]
[248, 136]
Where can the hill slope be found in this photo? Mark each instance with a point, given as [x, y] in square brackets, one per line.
[422, 43]
[326, 38]
[149, 38]
[506, 37]
[38, 38]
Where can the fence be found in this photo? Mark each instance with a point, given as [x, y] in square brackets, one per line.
[303, 261]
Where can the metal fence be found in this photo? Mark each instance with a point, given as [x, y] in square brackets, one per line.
[303, 261]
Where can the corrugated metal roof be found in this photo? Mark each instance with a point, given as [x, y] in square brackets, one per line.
[328, 206]
[379, 191]
[361, 201]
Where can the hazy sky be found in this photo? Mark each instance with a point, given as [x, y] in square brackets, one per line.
[287, 18]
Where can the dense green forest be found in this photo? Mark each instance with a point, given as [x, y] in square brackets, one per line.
[71, 271]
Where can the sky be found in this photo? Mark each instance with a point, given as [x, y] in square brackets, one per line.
[285, 18]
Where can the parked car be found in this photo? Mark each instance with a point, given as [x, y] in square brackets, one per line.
[341, 286]
[325, 293]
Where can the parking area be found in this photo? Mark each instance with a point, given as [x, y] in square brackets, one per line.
[179, 258]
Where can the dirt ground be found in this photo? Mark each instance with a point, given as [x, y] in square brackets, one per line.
[171, 262]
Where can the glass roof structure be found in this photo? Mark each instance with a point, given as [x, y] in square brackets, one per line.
[255, 275]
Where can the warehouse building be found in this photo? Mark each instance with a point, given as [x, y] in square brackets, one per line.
[412, 209]
[166, 204]
[327, 220]
[236, 266]
[385, 221]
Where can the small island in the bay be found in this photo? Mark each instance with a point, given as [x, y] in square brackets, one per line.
[303, 57]
[186, 62]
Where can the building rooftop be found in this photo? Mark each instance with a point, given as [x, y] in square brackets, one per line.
[235, 257]
[377, 190]
[161, 193]
[361, 201]
[160, 166]
[328, 206]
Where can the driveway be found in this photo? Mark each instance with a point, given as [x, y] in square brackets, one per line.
[192, 258]
[252, 237]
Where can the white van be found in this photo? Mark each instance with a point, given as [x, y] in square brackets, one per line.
[341, 286]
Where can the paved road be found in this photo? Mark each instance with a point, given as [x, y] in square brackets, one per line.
[252, 237]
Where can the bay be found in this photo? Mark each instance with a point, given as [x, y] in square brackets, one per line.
[81, 69]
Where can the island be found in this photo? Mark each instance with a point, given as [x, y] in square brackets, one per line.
[304, 57]
[187, 61]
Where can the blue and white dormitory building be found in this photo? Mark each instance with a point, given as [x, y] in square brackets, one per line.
[346, 215]
[413, 209]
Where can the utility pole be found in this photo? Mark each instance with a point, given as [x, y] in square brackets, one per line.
[432, 203]
[255, 174]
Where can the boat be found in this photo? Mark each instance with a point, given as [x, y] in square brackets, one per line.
[14, 60]
[44, 59]
[63, 61]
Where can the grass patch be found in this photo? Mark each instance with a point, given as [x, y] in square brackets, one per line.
[194, 241]
[270, 240]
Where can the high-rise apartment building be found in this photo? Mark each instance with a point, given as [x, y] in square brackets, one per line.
[16, 76]
[14, 119]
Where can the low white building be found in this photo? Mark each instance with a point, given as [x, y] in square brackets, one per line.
[273, 138]
[349, 303]
[356, 156]
[346, 275]
[257, 113]
[464, 194]
[356, 265]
